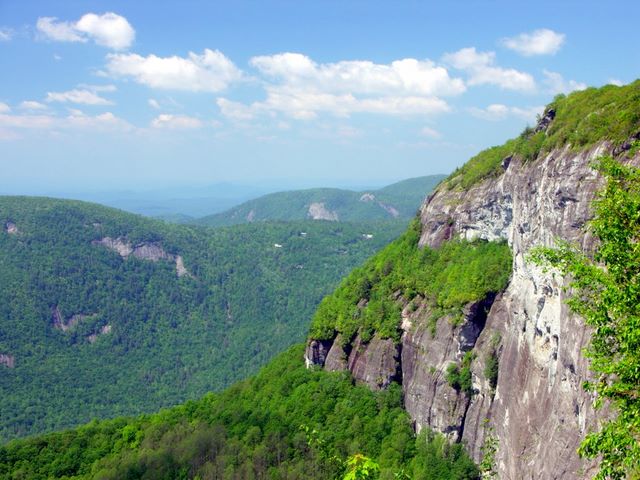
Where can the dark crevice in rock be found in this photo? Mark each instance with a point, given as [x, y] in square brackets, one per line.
[476, 319]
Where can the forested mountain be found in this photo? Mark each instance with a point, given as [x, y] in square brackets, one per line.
[286, 422]
[399, 200]
[104, 313]
[454, 321]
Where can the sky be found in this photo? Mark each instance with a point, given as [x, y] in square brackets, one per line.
[98, 95]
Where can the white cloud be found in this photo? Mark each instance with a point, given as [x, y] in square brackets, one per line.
[4, 108]
[153, 103]
[481, 68]
[235, 110]
[401, 77]
[498, 111]
[306, 105]
[6, 34]
[300, 88]
[616, 82]
[430, 132]
[104, 121]
[32, 105]
[98, 88]
[109, 30]
[76, 119]
[85, 97]
[210, 72]
[59, 31]
[556, 83]
[175, 122]
[538, 42]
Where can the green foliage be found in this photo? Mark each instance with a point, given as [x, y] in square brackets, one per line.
[446, 278]
[459, 376]
[404, 197]
[492, 363]
[171, 338]
[360, 467]
[488, 467]
[252, 430]
[606, 293]
[581, 120]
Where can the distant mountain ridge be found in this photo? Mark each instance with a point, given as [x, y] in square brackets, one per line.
[399, 200]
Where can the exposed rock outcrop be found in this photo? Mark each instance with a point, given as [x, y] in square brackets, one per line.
[105, 330]
[7, 360]
[538, 410]
[60, 323]
[11, 228]
[389, 209]
[318, 211]
[144, 251]
[367, 197]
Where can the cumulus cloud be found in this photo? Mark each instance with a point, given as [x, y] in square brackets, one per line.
[4, 108]
[556, 83]
[175, 122]
[616, 82]
[401, 77]
[498, 111]
[210, 72]
[481, 69]
[300, 88]
[538, 42]
[108, 30]
[153, 103]
[32, 105]
[430, 132]
[85, 97]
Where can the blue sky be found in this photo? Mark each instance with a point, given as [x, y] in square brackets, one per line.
[144, 94]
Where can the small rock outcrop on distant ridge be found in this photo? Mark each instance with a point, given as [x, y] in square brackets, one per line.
[11, 228]
[538, 410]
[60, 323]
[318, 211]
[7, 360]
[144, 251]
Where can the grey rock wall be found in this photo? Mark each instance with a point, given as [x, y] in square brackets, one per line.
[538, 410]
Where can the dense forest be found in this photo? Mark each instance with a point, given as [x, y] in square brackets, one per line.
[285, 423]
[88, 333]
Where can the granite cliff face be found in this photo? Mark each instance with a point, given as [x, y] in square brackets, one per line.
[538, 410]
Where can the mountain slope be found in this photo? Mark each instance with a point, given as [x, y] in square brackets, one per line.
[104, 313]
[504, 366]
[399, 200]
[286, 422]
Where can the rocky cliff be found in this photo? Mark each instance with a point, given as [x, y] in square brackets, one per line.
[535, 408]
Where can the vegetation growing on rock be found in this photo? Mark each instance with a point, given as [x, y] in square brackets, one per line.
[606, 293]
[579, 121]
[446, 278]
